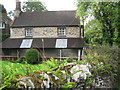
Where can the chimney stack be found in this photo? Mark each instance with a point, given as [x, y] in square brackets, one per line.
[17, 10]
[18, 5]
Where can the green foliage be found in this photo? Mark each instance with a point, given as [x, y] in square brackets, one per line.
[106, 30]
[82, 9]
[61, 82]
[89, 80]
[93, 33]
[20, 60]
[33, 5]
[31, 55]
[52, 63]
[104, 61]
[69, 85]
[109, 56]
[69, 60]
[10, 72]
[2, 9]
[3, 37]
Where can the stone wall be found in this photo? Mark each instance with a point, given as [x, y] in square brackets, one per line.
[73, 31]
[45, 32]
[17, 33]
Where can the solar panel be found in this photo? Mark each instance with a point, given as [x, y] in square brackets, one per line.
[61, 43]
[26, 43]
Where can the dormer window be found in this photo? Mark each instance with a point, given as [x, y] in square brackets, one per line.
[61, 31]
[28, 31]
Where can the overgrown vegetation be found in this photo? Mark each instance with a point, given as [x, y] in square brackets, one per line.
[104, 62]
[11, 71]
[109, 56]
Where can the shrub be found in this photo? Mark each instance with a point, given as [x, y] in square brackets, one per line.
[31, 56]
[3, 37]
[20, 60]
[109, 56]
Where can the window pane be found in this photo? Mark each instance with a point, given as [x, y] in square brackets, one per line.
[28, 32]
[61, 43]
[26, 43]
[2, 25]
[61, 31]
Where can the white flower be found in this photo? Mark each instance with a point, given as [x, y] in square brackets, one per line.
[83, 72]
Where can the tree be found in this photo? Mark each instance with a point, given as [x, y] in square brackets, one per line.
[2, 9]
[34, 5]
[3, 15]
[104, 12]
[11, 14]
[107, 15]
[3, 37]
[93, 33]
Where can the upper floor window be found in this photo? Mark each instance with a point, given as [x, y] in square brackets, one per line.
[2, 25]
[61, 31]
[28, 31]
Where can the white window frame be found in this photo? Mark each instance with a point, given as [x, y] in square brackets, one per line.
[2, 25]
[26, 43]
[28, 32]
[61, 31]
[61, 43]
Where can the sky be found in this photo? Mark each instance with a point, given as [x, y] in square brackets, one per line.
[52, 5]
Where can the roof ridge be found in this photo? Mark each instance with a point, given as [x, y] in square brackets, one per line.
[51, 11]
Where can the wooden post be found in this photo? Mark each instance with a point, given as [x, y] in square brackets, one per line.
[43, 50]
[83, 53]
[60, 54]
[79, 54]
[38, 56]
[18, 54]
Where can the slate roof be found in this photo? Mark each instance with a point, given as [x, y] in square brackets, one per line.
[37, 43]
[46, 18]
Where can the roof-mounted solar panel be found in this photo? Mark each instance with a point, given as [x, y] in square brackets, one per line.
[26, 43]
[61, 43]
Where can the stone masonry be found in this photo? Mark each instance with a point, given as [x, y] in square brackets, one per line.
[45, 32]
[17, 33]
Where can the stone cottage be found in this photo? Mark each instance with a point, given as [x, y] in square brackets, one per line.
[54, 33]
